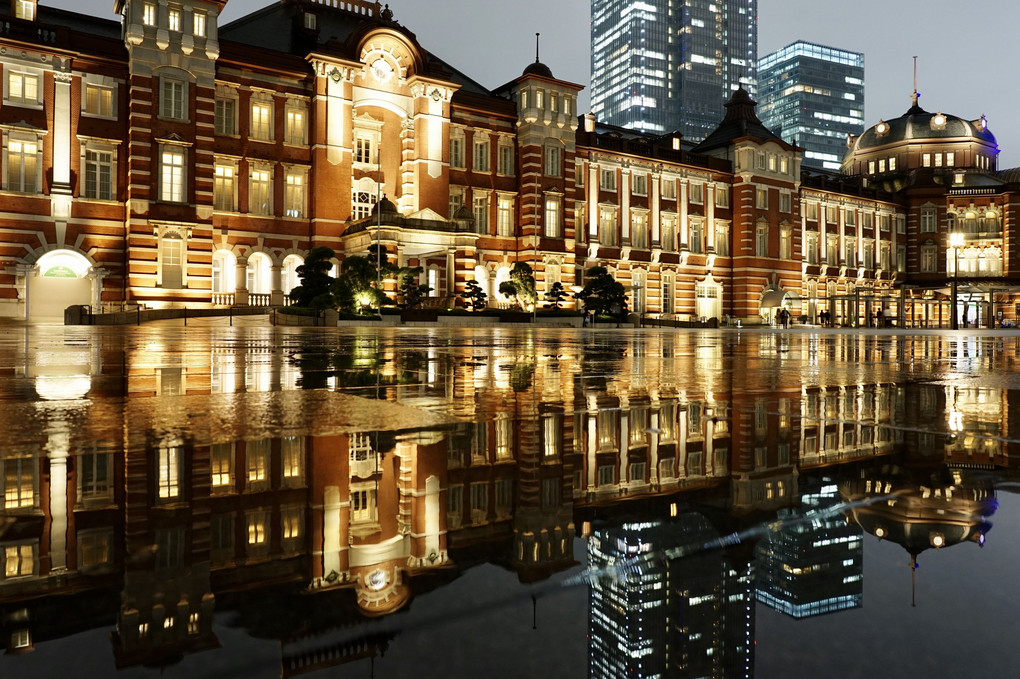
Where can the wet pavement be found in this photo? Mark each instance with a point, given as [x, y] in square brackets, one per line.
[243, 500]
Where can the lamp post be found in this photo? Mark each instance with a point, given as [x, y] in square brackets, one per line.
[955, 242]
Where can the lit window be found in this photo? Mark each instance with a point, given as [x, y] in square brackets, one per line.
[223, 188]
[22, 88]
[762, 199]
[22, 166]
[292, 453]
[172, 177]
[18, 483]
[260, 199]
[457, 151]
[149, 14]
[311, 21]
[697, 193]
[175, 19]
[552, 216]
[25, 9]
[505, 217]
[363, 150]
[607, 180]
[99, 101]
[785, 202]
[926, 160]
[261, 121]
[19, 560]
[295, 132]
[668, 189]
[222, 458]
[722, 197]
[99, 175]
[761, 242]
[294, 195]
[169, 470]
[199, 24]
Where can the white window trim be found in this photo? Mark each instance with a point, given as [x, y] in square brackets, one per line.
[13, 69]
[232, 163]
[261, 98]
[103, 83]
[296, 171]
[28, 136]
[295, 106]
[227, 93]
[261, 167]
[99, 145]
[185, 84]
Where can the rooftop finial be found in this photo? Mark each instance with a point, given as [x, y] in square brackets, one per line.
[916, 95]
[536, 47]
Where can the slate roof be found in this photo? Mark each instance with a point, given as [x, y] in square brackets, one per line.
[740, 121]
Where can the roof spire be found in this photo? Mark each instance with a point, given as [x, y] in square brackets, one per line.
[916, 95]
[536, 48]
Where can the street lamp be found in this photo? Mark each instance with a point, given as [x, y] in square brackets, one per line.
[955, 242]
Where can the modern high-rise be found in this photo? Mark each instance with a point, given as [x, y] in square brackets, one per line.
[815, 95]
[671, 65]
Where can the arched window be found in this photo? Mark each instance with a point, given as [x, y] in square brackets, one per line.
[223, 266]
[290, 278]
[259, 274]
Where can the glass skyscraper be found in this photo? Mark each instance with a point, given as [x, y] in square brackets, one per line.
[813, 95]
[670, 65]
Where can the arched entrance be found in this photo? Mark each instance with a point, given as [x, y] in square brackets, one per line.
[61, 280]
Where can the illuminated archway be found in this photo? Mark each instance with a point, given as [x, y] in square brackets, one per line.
[62, 279]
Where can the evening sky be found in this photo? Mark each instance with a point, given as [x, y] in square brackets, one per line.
[964, 67]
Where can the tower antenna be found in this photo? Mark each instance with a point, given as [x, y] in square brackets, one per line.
[536, 47]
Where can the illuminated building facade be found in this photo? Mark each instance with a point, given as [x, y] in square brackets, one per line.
[181, 163]
[663, 66]
[815, 95]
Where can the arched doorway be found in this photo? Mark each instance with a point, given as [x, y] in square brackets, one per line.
[259, 276]
[62, 280]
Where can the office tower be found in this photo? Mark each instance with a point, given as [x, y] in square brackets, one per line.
[670, 65]
[815, 95]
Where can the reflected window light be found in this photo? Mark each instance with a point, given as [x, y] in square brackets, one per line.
[169, 472]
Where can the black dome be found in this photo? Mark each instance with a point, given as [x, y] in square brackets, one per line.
[538, 68]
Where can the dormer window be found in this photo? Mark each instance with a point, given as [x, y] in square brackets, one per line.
[25, 9]
[311, 21]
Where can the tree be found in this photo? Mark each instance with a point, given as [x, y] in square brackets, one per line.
[314, 290]
[521, 286]
[555, 296]
[357, 285]
[413, 292]
[475, 297]
[602, 294]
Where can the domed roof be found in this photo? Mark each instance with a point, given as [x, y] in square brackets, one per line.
[385, 206]
[919, 125]
[538, 68]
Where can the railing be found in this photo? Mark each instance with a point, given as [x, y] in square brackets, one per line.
[258, 299]
[223, 298]
[31, 32]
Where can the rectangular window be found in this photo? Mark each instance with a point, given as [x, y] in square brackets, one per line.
[850, 218]
[639, 230]
[149, 14]
[479, 502]
[261, 121]
[696, 239]
[812, 212]
[364, 150]
[22, 88]
[667, 234]
[295, 131]
[761, 200]
[99, 175]
[640, 185]
[811, 249]
[505, 160]
[223, 188]
[553, 161]
[607, 226]
[172, 177]
[222, 463]
[607, 180]
[292, 460]
[175, 19]
[552, 217]
[456, 200]
[99, 101]
[457, 152]
[169, 472]
[761, 241]
[831, 214]
[892, 164]
[481, 212]
[697, 193]
[505, 216]
[294, 195]
[950, 159]
[785, 202]
[785, 243]
[226, 116]
[722, 197]
[22, 166]
[198, 23]
[171, 99]
[669, 189]
[722, 239]
[25, 9]
[480, 159]
[260, 200]
[927, 220]
[18, 483]
[19, 560]
[926, 160]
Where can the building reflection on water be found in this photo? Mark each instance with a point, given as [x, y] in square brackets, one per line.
[117, 516]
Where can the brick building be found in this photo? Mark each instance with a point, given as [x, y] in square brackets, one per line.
[165, 160]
